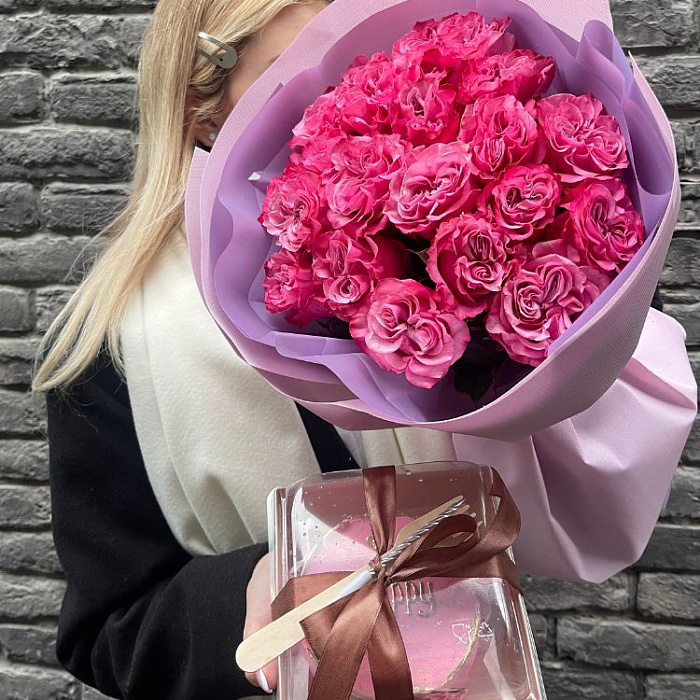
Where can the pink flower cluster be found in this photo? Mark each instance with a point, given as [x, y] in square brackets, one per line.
[436, 188]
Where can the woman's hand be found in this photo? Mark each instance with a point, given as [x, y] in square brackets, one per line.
[259, 614]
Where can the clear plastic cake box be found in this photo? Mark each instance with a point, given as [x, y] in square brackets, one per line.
[465, 638]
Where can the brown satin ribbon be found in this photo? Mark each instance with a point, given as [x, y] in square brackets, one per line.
[364, 622]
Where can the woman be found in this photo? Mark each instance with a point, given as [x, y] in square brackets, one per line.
[142, 618]
[142, 483]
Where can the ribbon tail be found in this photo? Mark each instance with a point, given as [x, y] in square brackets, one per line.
[391, 673]
[346, 644]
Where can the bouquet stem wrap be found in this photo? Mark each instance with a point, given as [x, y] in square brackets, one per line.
[342, 633]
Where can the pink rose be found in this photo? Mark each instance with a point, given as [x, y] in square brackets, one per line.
[470, 36]
[355, 172]
[467, 260]
[426, 109]
[366, 100]
[320, 120]
[347, 269]
[289, 286]
[500, 132]
[293, 209]
[363, 104]
[448, 42]
[521, 73]
[374, 74]
[438, 182]
[524, 201]
[602, 224]
[582, 141]
[538, 303]
[316, 156]
[405, 328]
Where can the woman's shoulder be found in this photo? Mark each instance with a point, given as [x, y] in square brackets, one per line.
[99, 387]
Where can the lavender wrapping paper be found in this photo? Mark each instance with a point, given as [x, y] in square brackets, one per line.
[573, 439]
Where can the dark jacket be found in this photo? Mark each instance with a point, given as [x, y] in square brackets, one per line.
[141, 617]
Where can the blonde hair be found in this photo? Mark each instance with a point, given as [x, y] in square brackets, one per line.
[169, 67]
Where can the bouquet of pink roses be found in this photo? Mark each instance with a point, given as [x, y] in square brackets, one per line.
[466, 235]
[487, 221]
[437, 202]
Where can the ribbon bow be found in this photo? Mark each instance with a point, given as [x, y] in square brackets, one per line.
[364, 622]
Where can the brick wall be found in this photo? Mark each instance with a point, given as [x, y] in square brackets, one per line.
[66, 103]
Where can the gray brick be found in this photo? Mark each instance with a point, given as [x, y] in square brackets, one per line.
[49, 302]
[94, 100]
[687, 137]
[636, 645]
[18, 208]
[672, 687]
[695, 364]
[28, 644]
[684, 501]
[15, 309]
[682, 263]
[14, 5]
[669, 596]
[30, 597]
[45, 41]
[100, 5]
[29, 553]
[44, 258]
[566, 683]
[539, 626]
[654, 23]
[24, 459]
[673, 547]
[131, 38]
[689, 217]
[24, 506]
[16, 358]
[691, 453]
[550, 594]
[28, 683]
[20, 97]
[688, 315]
[20, 414]
[674, 79]
[81, 208]
[66, 153]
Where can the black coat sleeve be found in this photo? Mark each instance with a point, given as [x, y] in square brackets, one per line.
[141, 618]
